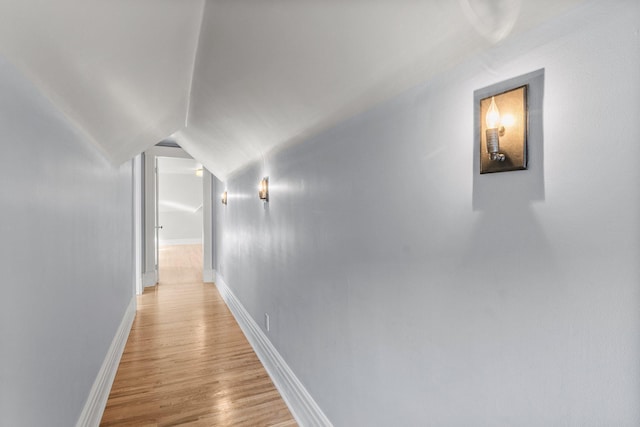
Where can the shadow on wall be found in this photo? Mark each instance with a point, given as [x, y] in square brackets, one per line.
[508, 244]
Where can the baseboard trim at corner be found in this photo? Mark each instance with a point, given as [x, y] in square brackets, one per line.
[172, 242]
[208, 275]
[150, 278]
[304, 409]
[97, 399]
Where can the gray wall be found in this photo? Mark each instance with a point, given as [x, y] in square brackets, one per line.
[180, 207]
[405, 289]
[66, 272]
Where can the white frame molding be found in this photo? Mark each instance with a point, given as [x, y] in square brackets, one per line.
[150, 272]
[137, 223]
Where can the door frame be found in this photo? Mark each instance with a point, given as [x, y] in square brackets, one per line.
[137, 170]
[150, 202]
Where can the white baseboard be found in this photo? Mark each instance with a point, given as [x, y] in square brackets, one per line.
[170, 242]
[97, 399]
[304, 409]
[150, 278]
[208, 275]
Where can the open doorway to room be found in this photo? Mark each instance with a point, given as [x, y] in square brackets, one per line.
[170, 173]
[179, 220]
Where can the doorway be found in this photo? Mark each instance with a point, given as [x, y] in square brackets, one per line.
[152, 233]
[179, 223]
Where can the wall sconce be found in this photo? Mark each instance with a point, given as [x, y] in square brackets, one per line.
[263, 192]
[503, 131]
[224, 198]
[199, 172]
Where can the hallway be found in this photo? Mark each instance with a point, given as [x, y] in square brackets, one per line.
[187, 361]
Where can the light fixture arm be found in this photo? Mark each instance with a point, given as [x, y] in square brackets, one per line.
[493, 144]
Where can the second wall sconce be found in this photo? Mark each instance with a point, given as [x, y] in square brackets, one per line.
[263, 192]
[503, 131]
[224, 198]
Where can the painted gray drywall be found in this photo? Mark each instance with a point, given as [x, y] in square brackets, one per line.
[399, 294]
[66, 261]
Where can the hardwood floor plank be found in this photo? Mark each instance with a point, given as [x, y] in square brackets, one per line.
[187, 362]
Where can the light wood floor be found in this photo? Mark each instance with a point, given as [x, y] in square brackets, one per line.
[186, 360]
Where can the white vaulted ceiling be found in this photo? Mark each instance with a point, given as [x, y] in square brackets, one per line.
[267, 72]
[120, 70]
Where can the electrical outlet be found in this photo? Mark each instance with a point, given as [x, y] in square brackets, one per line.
[267, 323]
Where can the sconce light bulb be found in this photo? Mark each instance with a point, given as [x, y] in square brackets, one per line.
[493, 115]
[493, 133]
[263, 190]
